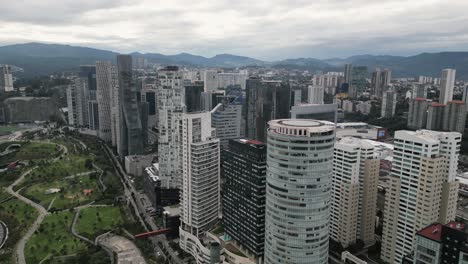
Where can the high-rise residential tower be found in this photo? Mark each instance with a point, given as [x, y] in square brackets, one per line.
[417, 114]
[422, 188]
[171, 106]
[389, 101]
[298, 192]
[447, 83]
[6, 79]
[131, 129]
[200, 189]
[316, 94]
[354, 191]
[348, 73]
[380, 80]
[454, 116]
[244, 173]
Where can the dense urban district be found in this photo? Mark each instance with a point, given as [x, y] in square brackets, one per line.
[133, 160]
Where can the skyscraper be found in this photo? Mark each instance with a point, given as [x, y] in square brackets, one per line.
[193, 98]
[422, 188]
[389, 101]
[447, 83]
[226, 118]
[454, 116]
[348, 73]
[265, 101]
[417, 114]
[244, 173]
[106, 82]
[6, 79]
[380, 80]
[299, 175]
[435, 116]
[171, 106]
[87, 76]
[354, 191]
[200, 189]
[131, 129]
[359, 79]
[316, 94]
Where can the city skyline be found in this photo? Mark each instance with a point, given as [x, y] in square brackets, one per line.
[278, 30]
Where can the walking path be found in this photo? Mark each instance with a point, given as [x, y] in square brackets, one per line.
[42, 214]
[42, 211]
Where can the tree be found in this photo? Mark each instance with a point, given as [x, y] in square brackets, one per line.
[89, 164]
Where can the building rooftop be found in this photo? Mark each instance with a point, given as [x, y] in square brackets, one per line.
[432, 232]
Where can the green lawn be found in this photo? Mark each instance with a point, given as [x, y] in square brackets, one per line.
[5, 130]
[18, 216]
[31, 151]
[53, 238]
[50, 171]
[94, 221]
[71, 194]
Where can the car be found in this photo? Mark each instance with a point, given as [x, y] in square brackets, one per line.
[158, 253]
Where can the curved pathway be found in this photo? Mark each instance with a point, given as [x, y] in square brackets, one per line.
[42, 213]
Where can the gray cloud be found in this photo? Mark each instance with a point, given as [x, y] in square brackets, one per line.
[266, 29]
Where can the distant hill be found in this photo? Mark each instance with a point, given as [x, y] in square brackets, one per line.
[43, 59]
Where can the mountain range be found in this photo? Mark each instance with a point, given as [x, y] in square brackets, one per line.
[43, 59]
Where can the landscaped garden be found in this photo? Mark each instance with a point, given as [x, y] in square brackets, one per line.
[18, 216]
[64, 193]
[94, 221]
[53, 238]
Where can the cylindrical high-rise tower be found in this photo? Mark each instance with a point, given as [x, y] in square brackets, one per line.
[299, 174]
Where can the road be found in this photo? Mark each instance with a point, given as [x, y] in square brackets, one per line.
[146, 220]
[42, 214]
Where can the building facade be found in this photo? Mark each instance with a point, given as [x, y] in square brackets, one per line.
[380, 81]
[105, 82]
[6, 79]
[299, 174]
[265, 101]
[422, 188]
[244, 174]
[417, 113]
[200, 189]
[447, 83]
[389, 101]
[226, 118]
[171, 107]
[354, 191]
[131, 128]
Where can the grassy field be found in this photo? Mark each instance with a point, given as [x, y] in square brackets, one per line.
[32, 151]
[94, 221]
[18, 216]
[71, 194]
[51, 171]
[53, 238]
[6, 130]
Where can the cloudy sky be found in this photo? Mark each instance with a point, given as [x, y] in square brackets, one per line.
[264, 29]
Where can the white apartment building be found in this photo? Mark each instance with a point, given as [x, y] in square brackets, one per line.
[200, 189]
[316, 94]
[447, 83]
[422, 188]
[354, 191]
[171, 106]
